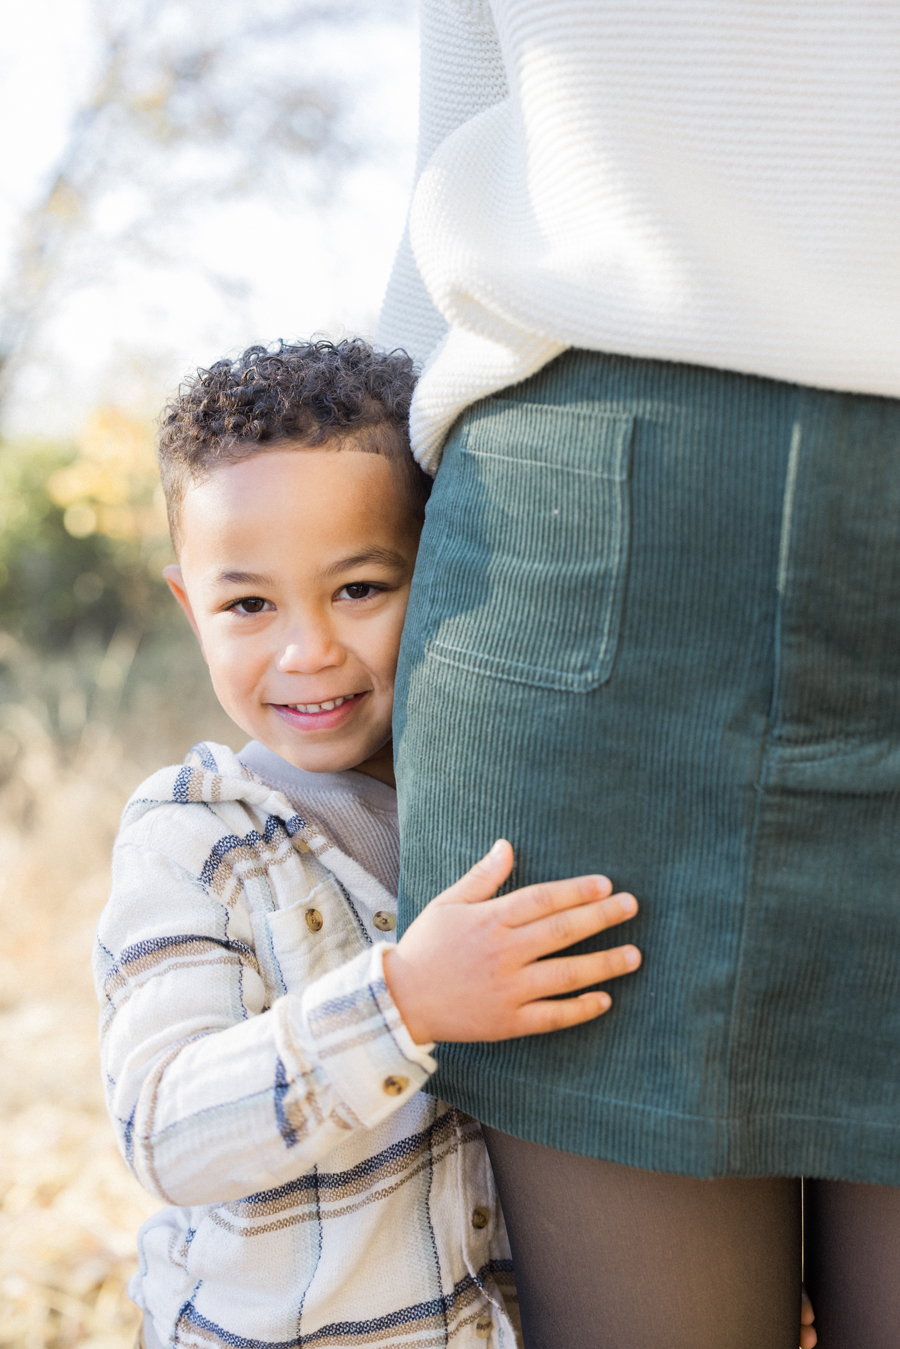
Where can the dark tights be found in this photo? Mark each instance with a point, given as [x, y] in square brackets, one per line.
[610, 1257]
[853, 1263]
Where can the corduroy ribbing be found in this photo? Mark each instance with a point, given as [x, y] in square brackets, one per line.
[762, 1034]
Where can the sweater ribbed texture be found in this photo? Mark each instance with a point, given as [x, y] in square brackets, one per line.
[716, 182]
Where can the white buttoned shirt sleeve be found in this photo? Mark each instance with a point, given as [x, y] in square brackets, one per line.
[191, 1029]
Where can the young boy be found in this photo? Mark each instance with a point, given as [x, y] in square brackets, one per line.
[264, 1040]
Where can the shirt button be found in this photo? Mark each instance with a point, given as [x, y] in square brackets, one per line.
[299, 843]
[481, 1217]
[483, 1327]
[314, 920]
[385, 922]
[395, 1086]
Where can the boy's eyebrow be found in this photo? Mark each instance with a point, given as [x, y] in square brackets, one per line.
[386, 556]
[242, 578]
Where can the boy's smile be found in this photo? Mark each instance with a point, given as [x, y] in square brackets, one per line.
[294, 571]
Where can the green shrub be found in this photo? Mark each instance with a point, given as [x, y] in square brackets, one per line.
[90, 638]
[82, 537]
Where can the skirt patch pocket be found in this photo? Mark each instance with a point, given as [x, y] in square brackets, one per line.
[525, 548]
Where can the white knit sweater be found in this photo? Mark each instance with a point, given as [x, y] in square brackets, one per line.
[711, 181]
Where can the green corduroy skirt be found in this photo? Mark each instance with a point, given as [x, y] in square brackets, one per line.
[655, 632]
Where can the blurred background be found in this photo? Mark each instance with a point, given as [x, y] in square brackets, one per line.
[178, 179]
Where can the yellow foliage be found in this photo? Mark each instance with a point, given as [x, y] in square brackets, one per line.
[65, 201]
[112, 487]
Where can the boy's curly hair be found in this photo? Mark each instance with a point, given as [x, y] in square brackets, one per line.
[310, 393]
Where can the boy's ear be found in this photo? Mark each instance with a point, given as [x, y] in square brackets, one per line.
[175, 582]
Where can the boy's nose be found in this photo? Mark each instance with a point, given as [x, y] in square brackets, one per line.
[307, 657]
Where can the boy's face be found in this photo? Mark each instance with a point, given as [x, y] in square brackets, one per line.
[294, 571]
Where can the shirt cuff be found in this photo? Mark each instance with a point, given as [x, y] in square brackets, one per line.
[369, 1057]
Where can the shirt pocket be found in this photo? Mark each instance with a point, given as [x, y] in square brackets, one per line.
[307, 939]
[525, 550]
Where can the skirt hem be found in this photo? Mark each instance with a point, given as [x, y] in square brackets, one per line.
[653, 1138]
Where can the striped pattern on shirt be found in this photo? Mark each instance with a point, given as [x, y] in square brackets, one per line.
[262, 1082]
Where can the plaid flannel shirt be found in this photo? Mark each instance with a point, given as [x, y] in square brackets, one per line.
[261, 1081]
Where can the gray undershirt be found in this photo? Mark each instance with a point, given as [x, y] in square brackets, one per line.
[357, 812]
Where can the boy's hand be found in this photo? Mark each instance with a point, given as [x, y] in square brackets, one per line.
[470, 967]
[808, 1336]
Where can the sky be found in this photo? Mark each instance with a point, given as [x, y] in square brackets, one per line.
[314, 264]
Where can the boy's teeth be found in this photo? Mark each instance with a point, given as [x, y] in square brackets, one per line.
[318, 707]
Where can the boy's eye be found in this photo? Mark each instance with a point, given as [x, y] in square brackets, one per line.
[253, 604]
[358, 590]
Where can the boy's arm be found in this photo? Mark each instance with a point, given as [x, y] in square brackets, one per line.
[213, 1096]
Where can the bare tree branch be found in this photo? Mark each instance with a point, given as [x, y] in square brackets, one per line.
[191, 104]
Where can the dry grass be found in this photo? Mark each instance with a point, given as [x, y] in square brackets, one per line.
[68, 1207]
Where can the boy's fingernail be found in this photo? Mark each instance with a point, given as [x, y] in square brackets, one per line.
[497, 848]
[632, 957]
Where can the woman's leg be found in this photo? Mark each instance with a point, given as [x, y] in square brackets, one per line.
[610, 1257]
[853, 1263]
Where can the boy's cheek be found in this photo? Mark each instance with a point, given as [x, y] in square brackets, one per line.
[227, 687]
[213, 658]
[390, 636]
[225, 656]
[222, 690]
